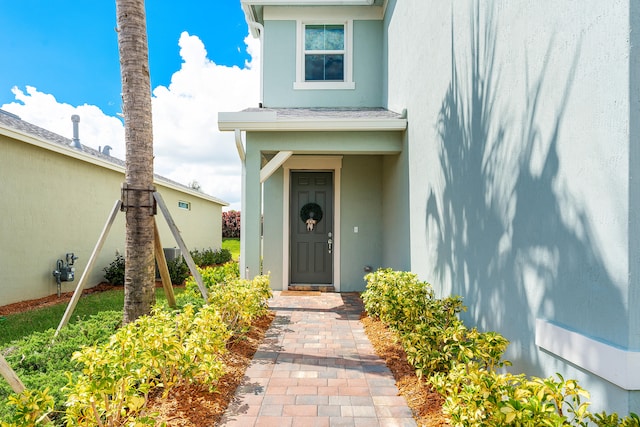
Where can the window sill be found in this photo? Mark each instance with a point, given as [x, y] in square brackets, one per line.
[324, 85]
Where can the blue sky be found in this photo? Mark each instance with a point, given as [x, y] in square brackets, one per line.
[61, 57]
[69, 48]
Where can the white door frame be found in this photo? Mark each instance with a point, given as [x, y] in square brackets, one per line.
[311, 164]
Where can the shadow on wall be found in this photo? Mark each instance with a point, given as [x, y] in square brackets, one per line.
[504, 239]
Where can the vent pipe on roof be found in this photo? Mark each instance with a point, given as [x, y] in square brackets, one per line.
[76, 139]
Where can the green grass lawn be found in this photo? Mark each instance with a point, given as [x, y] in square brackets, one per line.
[233, 244]
[15, 326]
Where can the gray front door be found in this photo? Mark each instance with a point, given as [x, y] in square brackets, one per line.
[311, 219]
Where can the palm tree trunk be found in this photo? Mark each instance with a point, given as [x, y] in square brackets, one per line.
[139, 282]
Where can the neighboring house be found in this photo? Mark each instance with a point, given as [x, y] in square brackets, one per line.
[56, 196]
[489, 146]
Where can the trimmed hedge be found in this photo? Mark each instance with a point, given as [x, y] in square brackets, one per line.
[460, 362]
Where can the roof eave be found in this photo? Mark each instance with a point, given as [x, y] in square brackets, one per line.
[251, 15]
[318, 125]
[307, 2]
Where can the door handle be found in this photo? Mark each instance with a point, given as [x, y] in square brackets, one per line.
[330, 243]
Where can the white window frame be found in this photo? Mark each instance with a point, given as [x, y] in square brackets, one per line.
[348, 83]
[184, 205]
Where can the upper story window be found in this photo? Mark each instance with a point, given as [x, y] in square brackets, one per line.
[324, 53]
[324, 58]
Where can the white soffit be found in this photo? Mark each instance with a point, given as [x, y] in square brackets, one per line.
[320, 13]
[309, 2]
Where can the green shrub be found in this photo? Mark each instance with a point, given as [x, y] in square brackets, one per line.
[460, 362]
[108, 381]
[401, 301]
[478, 397]
[30, 408]
[210, 257]
[241, 301]
[211, 276]
[432, 348]
[42, 364]
[114, 272]
[158, 351]
[430, 331]
[178, 270]
[613, 420]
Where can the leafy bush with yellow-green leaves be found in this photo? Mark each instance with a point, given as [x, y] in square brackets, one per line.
[460, 362]
[160, 351]
[433, 336]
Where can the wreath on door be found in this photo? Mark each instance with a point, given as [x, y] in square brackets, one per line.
[311, 214]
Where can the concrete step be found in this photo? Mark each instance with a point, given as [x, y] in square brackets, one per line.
[317, 288]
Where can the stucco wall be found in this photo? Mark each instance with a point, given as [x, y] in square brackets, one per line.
[273, 234]
[362, 208]
[53, 204]
[518, 159]
[280, 69]
[395, 207]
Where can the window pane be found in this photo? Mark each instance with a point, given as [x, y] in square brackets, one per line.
[324, 67]
[324, 37]
[314, 37]
[334, 67]
[334, 37]
[314, 67]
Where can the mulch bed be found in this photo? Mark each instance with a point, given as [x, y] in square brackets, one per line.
[425, 403]
[195, 406]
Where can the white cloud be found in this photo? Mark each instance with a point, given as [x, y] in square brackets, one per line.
[187, 143]
[42, 109]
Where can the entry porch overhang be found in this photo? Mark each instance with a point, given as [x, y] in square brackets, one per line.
[301, 139]
[312, 119]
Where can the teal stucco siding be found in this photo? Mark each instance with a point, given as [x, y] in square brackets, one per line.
[520, 164]
[280, 69]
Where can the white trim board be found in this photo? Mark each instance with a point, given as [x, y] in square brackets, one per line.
[292, 13]
[311, 163]
[616, 365]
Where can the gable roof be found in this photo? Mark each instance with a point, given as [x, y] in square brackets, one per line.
[14, 127]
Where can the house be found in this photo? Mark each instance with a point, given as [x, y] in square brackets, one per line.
[56, 196]
[489, 146]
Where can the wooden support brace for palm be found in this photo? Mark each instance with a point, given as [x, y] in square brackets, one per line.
[183, 247]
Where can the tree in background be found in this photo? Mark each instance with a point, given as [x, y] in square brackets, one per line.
[231, 224]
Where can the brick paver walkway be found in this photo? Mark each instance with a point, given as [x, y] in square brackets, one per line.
[316, 367]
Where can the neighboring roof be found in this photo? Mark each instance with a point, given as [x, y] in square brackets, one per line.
[312, 119]
[14, 127]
